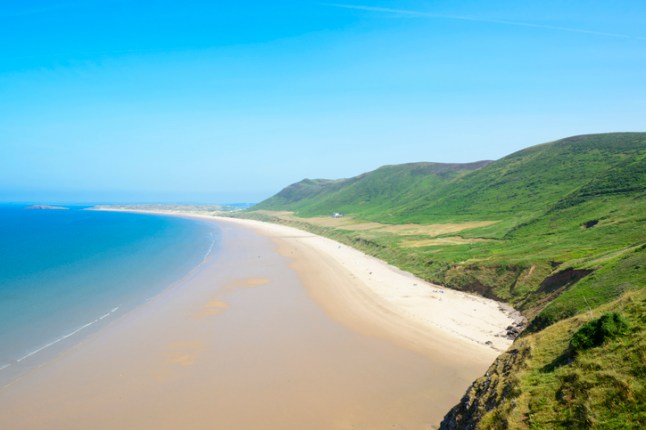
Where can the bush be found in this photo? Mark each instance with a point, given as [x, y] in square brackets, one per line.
[596, 332]
[549, 316]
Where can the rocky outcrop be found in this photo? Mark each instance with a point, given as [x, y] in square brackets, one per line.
[495, 390]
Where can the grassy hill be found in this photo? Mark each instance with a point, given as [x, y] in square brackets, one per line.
[557, 230]
[522, 184]
[531, 180]
[371, 194]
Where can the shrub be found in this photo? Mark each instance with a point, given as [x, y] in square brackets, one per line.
[596, 332]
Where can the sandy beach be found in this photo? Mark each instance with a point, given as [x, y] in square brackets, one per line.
[280, 330]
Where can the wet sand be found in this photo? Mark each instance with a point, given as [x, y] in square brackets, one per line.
[240, 344]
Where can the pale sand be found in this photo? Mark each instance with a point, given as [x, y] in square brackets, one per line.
[373, 296]
[238, 344]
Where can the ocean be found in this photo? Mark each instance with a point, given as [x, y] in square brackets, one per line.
[64, 273]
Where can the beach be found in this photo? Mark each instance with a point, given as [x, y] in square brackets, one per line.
[282, 329]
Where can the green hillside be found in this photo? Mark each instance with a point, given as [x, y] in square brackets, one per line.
[532, 180]
[370, 194]
[517, 186]
[557, 230]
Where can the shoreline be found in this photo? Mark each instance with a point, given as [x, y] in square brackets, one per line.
[278, 331]
[380, 299]
[372, 297]
[95, 318]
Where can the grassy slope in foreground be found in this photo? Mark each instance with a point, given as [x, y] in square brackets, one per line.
[561, 234]
[542, 382]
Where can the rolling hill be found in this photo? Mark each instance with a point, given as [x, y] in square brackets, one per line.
[370, 194]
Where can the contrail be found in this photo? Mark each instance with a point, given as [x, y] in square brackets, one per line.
[419, 14]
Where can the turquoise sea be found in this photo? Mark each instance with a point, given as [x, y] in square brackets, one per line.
[64, 273]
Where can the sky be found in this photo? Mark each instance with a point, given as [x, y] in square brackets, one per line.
[220, 102]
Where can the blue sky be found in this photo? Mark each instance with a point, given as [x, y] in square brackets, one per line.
[198, 101]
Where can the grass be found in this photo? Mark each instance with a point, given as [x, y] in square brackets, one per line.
[542, 383]
[601, 386]
[373, 193]
[615, 277]
[520, 186]
[597, 332]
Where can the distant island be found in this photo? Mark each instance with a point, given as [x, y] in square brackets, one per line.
[47, 207]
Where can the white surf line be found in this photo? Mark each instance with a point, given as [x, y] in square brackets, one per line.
[194, 269]
[208, 252]
[36, 351]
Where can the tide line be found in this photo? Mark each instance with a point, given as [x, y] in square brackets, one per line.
[208, 252]
[62, 338]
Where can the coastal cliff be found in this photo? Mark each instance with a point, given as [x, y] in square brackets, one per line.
[544, 381]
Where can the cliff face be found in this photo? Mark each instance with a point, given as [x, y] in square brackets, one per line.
[493, 391]
[545, 381]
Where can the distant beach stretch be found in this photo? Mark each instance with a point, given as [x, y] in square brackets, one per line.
[280, 329]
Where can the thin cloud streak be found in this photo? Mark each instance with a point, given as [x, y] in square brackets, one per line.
[419, 14]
